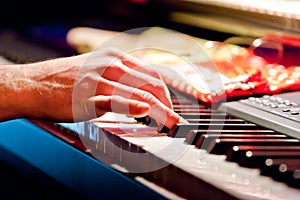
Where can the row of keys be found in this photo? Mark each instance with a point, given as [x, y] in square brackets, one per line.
[249, 145]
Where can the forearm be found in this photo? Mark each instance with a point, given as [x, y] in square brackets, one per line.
[13, 90]
[35, 91]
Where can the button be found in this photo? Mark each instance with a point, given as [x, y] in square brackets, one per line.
[272, 105]
[294, 113]
[286, 110]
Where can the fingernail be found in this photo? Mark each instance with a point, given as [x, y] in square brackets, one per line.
[183, 121]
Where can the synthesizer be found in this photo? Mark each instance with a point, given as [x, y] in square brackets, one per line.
[214, 148]
[216, 156]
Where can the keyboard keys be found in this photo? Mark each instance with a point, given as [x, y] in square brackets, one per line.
[215, 121]
[195, 110]
[181, 130]
[193, 135]
[256, 159]
[222, 145]
[274, 154]
[188, 115]
[205, 140]
[285, 170]
[235, 153]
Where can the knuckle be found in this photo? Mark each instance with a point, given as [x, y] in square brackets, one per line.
[113, 51]
[146, 96]
[154, 73]
[157, 85]
[116, 98]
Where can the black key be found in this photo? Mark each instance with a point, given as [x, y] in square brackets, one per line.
[290, 176]
[235, 153]
[283, 170]
[216, 121]
[193, 135]
[195, 110]
[279, 161]
[163, 129]
[256, 159]
[188, 106]
[189, 115]
[221, 146]
[181, 130]
[147, 120]
[205, 140]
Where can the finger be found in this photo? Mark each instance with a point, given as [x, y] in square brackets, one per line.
[119, 105]
[134, 63]
[158, 111]
[118, 72]
[140, 66]
[130, 61]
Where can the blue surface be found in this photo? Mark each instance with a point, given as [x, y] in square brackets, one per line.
[67, 164]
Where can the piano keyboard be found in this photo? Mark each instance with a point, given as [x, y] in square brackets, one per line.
[216, 156]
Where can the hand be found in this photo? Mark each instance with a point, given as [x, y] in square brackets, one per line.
[86, 86]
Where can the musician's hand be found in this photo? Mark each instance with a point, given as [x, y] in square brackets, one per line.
[87, 86]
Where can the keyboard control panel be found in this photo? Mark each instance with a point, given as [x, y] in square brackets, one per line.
[280, 112]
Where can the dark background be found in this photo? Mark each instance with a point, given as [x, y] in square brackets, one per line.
[46, 23]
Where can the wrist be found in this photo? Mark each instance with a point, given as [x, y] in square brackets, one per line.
[47, 90]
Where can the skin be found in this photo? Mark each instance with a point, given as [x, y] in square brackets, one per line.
[83, 87]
